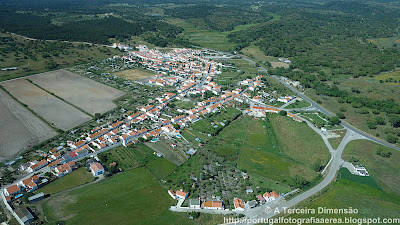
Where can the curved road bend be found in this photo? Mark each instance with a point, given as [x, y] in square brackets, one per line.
[260, 213]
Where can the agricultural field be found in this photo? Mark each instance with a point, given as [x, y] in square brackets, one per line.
[71, 180]
[132, 197]
[50, 108]
[212, 124]
[21, 129]
[91, 96]
[384, 169]
[229, 141]
[135, 74]
[126, 157]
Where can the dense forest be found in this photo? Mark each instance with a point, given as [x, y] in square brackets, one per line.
[316, 38]
[95, 30]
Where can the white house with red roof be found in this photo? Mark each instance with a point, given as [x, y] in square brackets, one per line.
[97, 169]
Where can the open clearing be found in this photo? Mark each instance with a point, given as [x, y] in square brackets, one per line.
[135, 74]
[20, 129]
[132, 197]
[89, 95]
[52, 109]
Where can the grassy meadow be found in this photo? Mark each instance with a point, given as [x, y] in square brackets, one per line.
[132, 197]
[71, 180]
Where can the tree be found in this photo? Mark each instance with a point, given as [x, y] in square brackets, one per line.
[371, 125]
[394, 120]
[283, 113]
[391, 138]
[334, 120]
[176, 126]
[380, 120]
[340, 115]
[97, 116]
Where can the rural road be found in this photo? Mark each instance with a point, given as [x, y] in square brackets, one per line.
[261, 213]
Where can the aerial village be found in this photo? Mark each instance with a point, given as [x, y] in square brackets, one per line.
[189, 73]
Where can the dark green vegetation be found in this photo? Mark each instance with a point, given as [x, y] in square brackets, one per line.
[132, 197]
[94, 25]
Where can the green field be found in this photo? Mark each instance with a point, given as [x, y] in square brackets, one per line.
[207, 124]
[229, 141]
[206, 38]
[274, 150]
[160, 168]
[184, 104]
[370, 181]
[74, 179]
[298, 104]
[343, 194]
[132, 197]
[386, 171]
[299, 142]
[123, 156]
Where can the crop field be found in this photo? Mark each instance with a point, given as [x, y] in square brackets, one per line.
[91, 96]
[385, 170]
[135, 74]
[132, 197]
[52, 109]
[20, 129]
